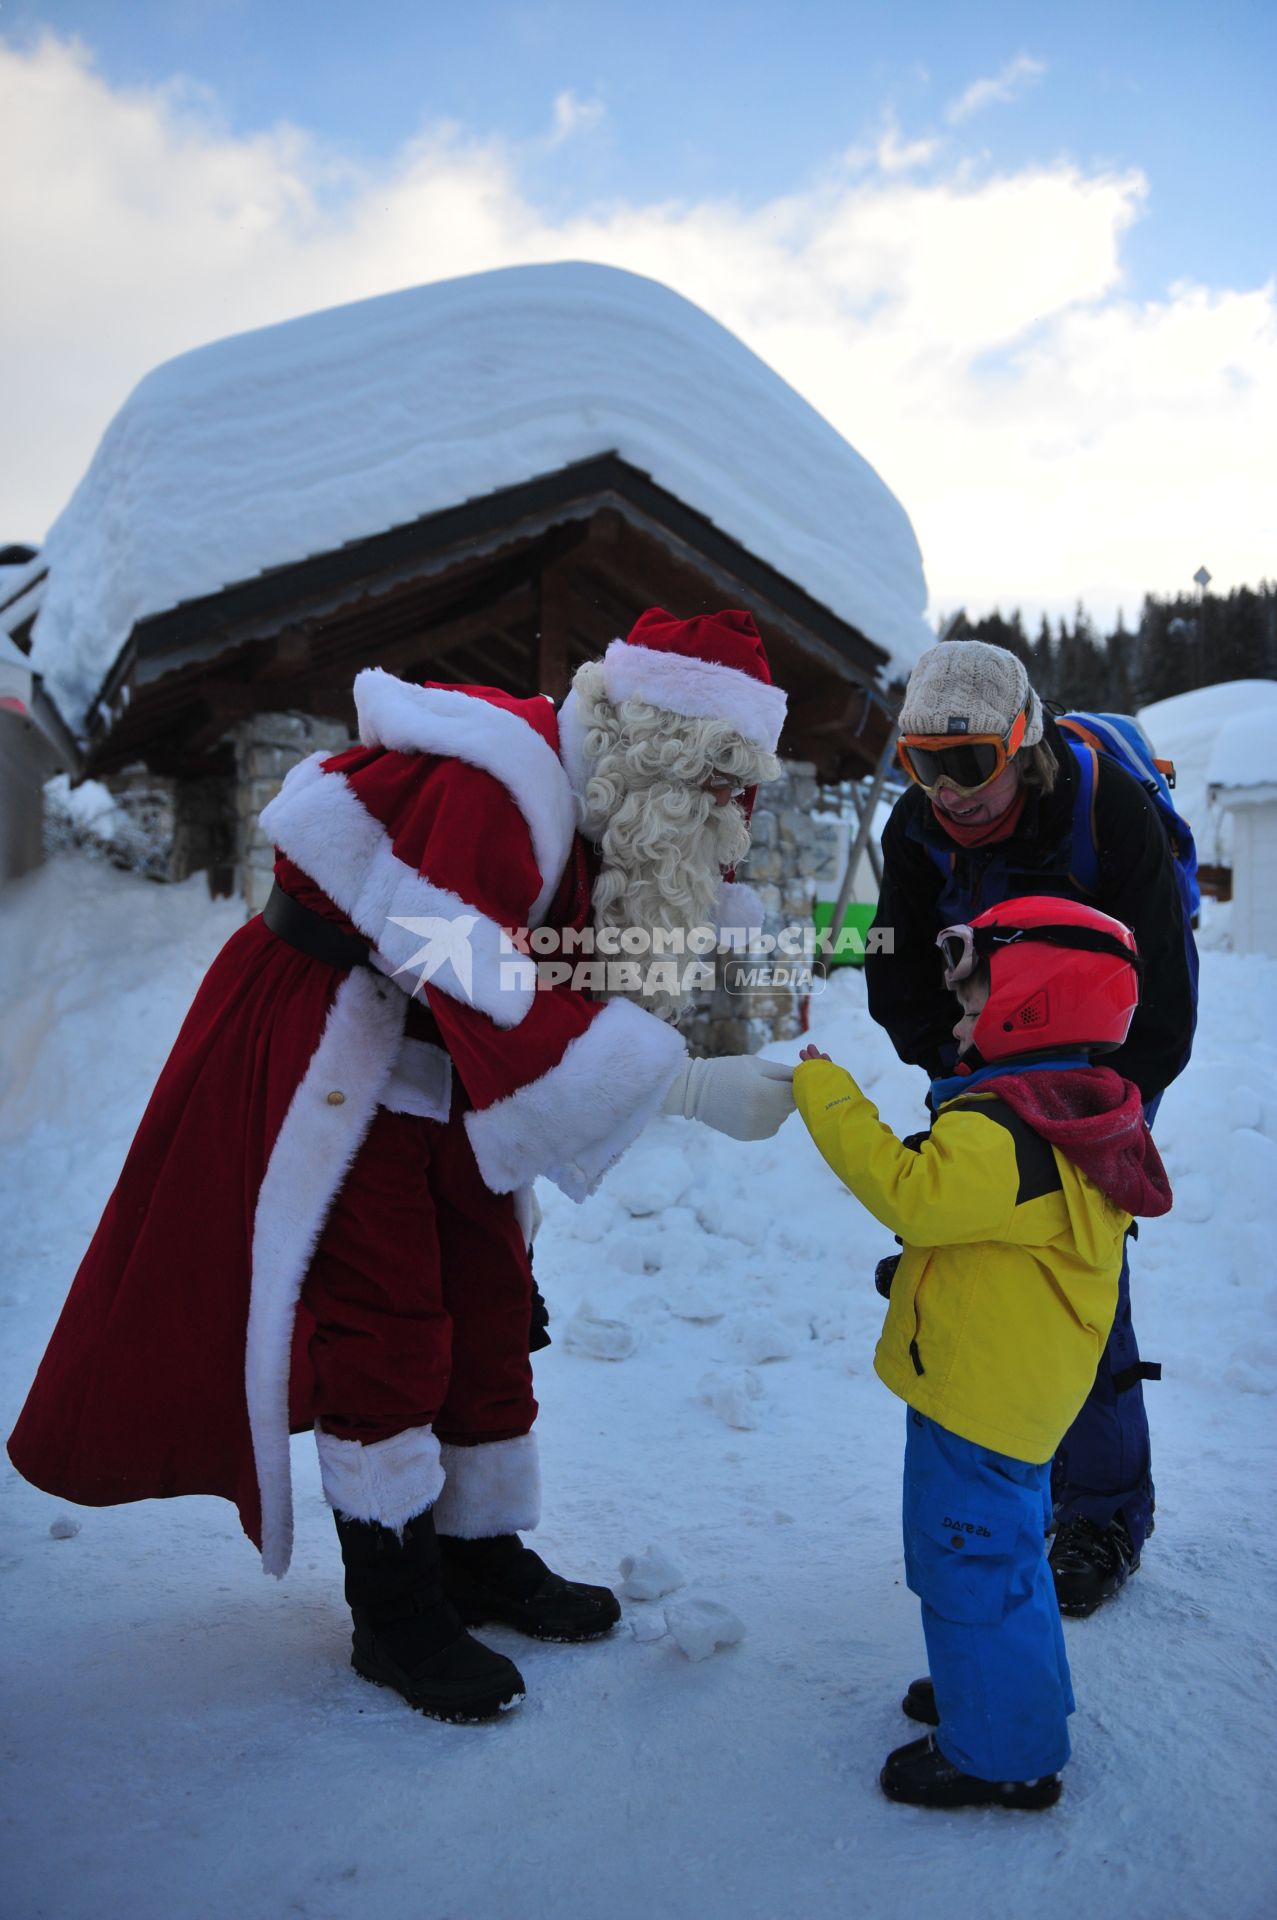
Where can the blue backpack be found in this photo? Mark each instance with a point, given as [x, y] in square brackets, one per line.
[1124, 740]
[1088, 735]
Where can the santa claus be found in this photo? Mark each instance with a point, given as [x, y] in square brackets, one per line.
[323, 1219]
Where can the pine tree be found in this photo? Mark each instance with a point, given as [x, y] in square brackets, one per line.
[1119, 669]
[1081, 677]
[1042, 662]
[1180, 643]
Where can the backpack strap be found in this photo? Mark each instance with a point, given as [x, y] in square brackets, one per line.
[1065, 723]
[1084, 861]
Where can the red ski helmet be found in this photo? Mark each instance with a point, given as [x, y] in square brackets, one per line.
[1061, 974]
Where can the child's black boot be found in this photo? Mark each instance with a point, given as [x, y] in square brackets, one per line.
[920, 1702]
[920, 1775]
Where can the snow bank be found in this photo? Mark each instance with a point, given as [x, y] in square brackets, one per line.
[274, 445]
[162, 1695]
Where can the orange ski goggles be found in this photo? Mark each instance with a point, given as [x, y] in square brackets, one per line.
[968, 761]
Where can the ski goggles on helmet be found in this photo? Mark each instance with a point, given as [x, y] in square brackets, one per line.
[968, 761]
[964, 949]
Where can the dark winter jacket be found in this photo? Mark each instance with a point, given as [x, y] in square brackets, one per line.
[907, 994]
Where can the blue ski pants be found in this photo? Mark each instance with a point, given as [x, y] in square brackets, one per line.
[975, 1554]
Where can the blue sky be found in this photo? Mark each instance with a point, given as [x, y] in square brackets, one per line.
[710, 100]
[1021, 256]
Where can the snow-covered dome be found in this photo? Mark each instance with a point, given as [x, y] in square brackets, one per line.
[1186, 728]
[266, 448]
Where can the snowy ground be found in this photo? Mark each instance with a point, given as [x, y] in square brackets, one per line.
[185, 1737]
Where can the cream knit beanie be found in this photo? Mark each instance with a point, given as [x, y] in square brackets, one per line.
[967, 686]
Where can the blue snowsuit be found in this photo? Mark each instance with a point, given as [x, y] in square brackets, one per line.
[1004, 1698]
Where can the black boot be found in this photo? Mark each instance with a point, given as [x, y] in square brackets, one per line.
[500, 1579]
[1090, 1563]
[407, 1634]
[920, 1703]
[920, 1775]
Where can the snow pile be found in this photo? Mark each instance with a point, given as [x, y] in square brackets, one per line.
[700, 1627]
[650, 1575]
[271, 446]
[162, 1694]
[92, 819]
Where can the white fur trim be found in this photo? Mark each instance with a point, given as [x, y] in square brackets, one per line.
[421, 1083]
[489, 1489]
[460, 726]
[740, 912]
[320, 822]
[578, 1118]
[697, 688]
[389, 1482]
[311, 1156]
[572, 752]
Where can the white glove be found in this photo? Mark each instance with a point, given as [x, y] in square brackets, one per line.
[527, 1211]
[743, 1096]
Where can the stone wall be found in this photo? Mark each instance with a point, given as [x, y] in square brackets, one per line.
[265, 748]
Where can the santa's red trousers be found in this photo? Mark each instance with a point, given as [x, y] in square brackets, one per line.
[421, 1290]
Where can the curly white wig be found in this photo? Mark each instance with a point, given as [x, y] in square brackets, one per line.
[663, 840]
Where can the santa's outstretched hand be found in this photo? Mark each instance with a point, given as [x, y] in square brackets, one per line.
[743, 1096]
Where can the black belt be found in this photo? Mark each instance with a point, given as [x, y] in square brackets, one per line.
[320, 939]
[311, 934]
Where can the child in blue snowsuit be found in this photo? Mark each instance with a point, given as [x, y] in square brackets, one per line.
[1011, 1213]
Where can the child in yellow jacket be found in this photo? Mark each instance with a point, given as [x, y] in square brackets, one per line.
[1011, 1213]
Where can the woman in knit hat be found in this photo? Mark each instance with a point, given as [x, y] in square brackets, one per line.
[991, 812]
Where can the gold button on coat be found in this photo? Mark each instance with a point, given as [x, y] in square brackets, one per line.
[336, 1099]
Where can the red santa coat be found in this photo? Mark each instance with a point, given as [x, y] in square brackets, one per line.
[179, 1364]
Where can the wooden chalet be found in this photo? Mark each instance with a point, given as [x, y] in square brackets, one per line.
[513, 590]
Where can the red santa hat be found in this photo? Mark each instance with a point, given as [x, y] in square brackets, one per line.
[713, 667]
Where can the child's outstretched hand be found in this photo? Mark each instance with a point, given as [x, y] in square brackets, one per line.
[813, 1053]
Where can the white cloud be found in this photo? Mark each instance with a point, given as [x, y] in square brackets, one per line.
[891, 154]
[1004, 86]
[969, 334]
[573, 116]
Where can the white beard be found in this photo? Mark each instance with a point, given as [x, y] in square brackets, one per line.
[664, 849]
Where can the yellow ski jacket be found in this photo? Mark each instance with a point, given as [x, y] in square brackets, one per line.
[1007, 1284]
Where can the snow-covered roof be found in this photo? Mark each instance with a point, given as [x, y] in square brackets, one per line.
[1185, 728]
[1245, 753]
[266, 448]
